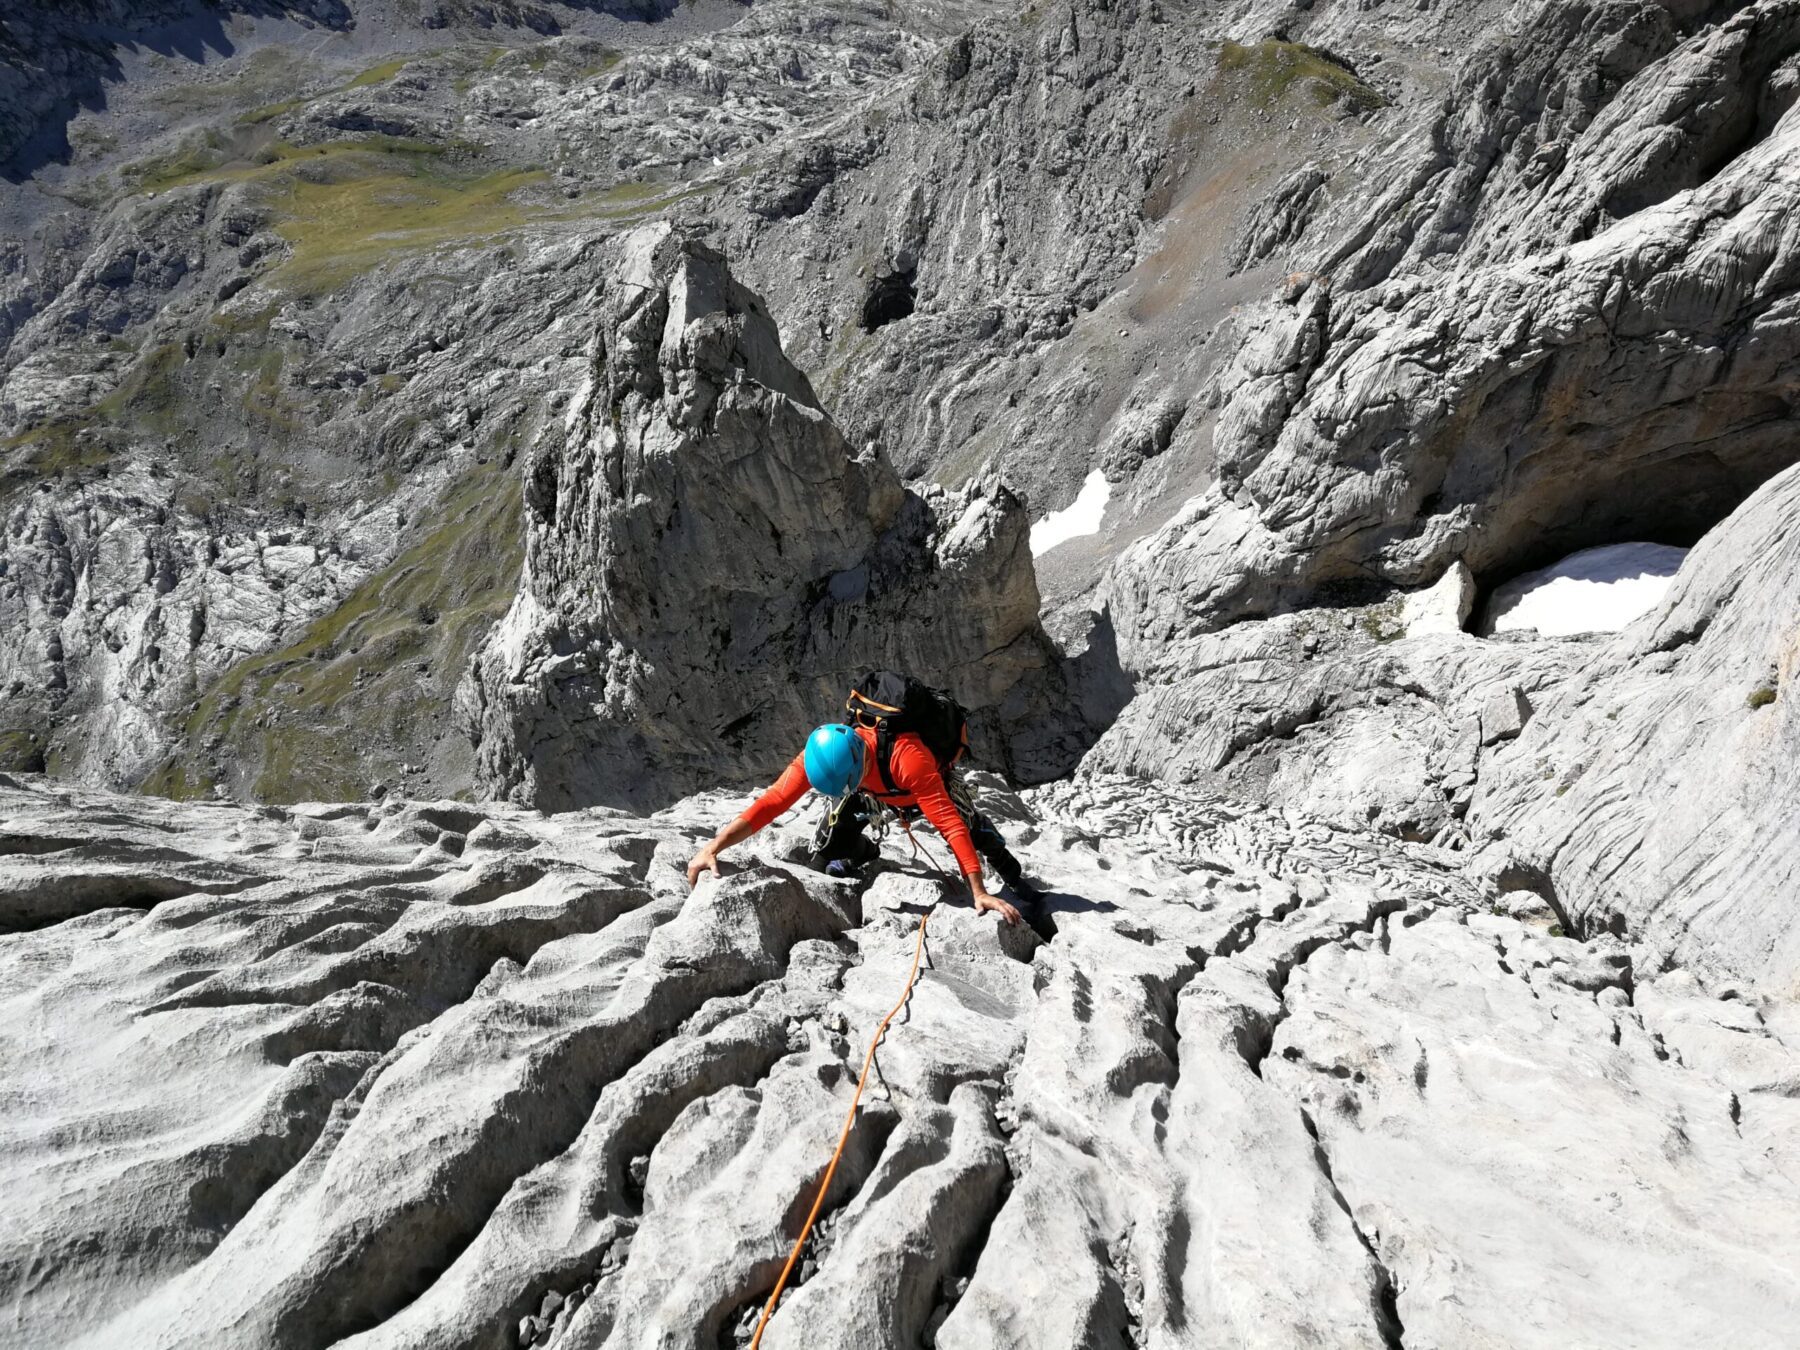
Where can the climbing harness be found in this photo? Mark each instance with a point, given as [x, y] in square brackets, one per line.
[843, 1137]
[879, 814]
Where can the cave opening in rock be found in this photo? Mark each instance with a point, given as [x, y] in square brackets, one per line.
[1597, 590]
[891, 296]
[1629, 505]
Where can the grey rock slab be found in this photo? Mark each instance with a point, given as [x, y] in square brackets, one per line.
[964, 1021]
[1444, 1144]
[701, 1252]
[1047, 1277]
[1657, 787]
[905, 1234]
[1260, 1078]
[1247, 1192]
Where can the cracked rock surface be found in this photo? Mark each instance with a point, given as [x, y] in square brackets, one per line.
[405, 401]
[709, 565]
[429, 1074]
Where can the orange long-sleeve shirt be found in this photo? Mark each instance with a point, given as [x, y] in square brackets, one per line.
[916, 780]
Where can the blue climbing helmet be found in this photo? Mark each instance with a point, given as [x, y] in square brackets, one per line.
[834, 759]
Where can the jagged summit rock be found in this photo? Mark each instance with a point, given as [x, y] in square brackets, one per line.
[709, 567]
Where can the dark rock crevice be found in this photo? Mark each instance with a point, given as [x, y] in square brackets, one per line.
[1386, 1309]
[891, 296]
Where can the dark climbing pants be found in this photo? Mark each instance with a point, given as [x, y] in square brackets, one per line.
[846, 838]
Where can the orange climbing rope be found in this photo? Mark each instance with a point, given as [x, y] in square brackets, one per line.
[843, 1138]
[913, 839]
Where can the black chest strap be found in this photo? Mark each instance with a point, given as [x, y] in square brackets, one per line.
[884, 752]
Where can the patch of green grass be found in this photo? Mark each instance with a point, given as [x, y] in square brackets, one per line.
[247, 320]
[91, 142]
[342, 225]
[337, 706]
[1382, 622]
[366, 79]
[198, 156]
[1761, 697]
[21, 752]
[234, 161]
[262, 75]
[178, 782]
[380, 74]
[270, 111]
[267, 407]
[1275, 68]
[63, 446]
[472, 63]
[623, 201]
[346, 207]
[149, 397]
[150, 394]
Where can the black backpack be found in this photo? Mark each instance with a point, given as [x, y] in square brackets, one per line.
[896, 704]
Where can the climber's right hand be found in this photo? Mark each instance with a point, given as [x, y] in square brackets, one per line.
[985, 902]
[706, 860]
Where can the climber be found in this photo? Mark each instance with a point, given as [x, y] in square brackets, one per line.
[843, 763]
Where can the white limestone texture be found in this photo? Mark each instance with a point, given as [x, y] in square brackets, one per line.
[427, 1074]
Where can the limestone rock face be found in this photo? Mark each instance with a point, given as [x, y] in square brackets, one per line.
[117, 611]
[425, 1074]
[1500, 414]
[709, 567]
[1658, 786]
[1643, 782]
[1561, 316]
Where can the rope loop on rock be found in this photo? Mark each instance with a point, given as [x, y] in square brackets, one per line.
[843, 1137]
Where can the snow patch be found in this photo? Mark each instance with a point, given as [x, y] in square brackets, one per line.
[1598, 590]
[1079, 517]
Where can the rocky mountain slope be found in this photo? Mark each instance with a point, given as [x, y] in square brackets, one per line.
[439, 1075]
[276, 333]
[448, 448]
